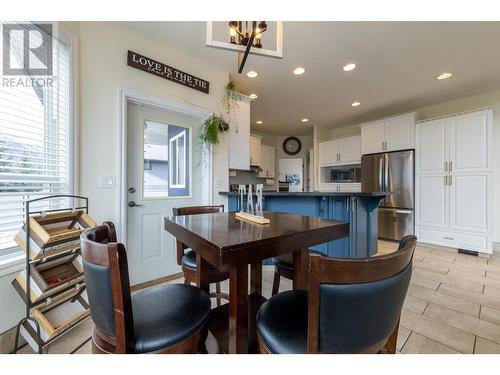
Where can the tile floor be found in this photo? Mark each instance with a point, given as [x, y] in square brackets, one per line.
[452, 306]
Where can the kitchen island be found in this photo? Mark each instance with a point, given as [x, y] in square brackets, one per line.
[360, 210]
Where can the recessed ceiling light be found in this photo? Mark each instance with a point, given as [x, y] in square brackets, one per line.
[444, 76]
[259, 122]
[305, 120]
[253, 96]
[349, 67]
[355, 104]
[252, 74]
[298, 71]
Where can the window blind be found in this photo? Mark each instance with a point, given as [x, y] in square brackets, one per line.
[35, 143]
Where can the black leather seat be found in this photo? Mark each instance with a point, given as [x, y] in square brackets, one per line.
[189, 260]
[285, 261]
[167, 314]
[282, 322]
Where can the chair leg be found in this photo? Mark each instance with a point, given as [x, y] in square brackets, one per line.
[276, 281]
[217, 290]
[391, 344]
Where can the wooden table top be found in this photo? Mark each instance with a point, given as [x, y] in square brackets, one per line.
[220, 235]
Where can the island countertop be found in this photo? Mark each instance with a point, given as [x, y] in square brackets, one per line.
[311, 194]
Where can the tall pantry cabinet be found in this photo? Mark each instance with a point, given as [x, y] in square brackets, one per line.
[454, 181]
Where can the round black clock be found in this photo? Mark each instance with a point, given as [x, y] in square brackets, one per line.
[292, 146]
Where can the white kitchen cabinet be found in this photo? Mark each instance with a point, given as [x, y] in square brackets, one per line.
[470, 142]
[267, 161]
[239, 136]
[432, 147]
[345, 187]
[329, 152]
[255, 148]
[391, 134]
[432, 201]
[341, 151]
[469, 193]
[454, 183]
[372, 137]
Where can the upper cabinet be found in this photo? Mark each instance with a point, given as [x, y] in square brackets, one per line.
[458, 144]
[267, 162]
[255, 149]
[340, 151]
[239, 136]
[395, 133]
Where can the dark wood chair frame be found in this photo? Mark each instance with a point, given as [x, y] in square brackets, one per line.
[114, 256]
[351, 271]
[190, 275]
[278, 273]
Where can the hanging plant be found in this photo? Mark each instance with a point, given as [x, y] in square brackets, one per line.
[210, 129]
[215, 124]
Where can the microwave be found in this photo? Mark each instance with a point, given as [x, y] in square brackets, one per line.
[341, 174]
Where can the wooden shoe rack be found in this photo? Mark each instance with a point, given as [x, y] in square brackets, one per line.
[52, 284]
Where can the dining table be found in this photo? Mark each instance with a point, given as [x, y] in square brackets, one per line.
[234, 245]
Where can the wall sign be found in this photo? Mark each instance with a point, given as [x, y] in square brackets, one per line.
[159, 69]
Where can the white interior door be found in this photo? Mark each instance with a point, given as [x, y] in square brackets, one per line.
[161, 166]
[431, 147]
[432, 201]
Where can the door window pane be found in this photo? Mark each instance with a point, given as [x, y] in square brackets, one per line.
[155, 160]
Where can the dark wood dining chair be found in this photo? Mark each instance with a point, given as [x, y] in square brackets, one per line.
[162, 319]
[283, 267]
[352, 306]
[187, 259]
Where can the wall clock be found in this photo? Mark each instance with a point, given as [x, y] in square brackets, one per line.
[292, 146]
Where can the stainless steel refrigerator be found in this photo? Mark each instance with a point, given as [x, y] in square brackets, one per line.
[393, 173]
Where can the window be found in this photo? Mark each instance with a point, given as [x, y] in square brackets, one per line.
[36, 142]
[166, 164]
[178, 158]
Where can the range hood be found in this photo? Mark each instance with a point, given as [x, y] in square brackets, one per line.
[255, 169]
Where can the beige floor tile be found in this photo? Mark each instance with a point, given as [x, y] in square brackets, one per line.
[491, 291]
[403, 334]
[449, 279]
[493, 275]
[467, 295]
[85, 349]
[417, 258]
[489, 314]
[415, 304]
[452, 302]
[470, 259]
[418, 344]
[422, 249]
[466, 275]
[442, 255]
[464, 322]
[73, 338]
[486, 347]
[433, 265]
[471, 269]
[424, 283]
[437, 331]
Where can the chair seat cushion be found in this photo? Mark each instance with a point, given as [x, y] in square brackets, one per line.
[167, 314]
[189, 260]
[285, 261]
[282, 323]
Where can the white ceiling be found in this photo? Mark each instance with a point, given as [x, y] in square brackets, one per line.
[397, 63]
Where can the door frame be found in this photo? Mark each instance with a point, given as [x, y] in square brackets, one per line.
[124, 97]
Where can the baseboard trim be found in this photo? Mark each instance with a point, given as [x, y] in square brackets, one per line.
[150, 283]
[496, 247]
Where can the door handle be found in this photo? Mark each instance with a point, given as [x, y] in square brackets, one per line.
[445, 166]
[451, 166]
[445, 180]
[450, 180]
[132, 204]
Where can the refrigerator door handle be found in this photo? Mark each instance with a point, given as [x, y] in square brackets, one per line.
[380, 174]
[386, 173]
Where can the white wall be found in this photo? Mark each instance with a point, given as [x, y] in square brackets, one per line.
[103, 70]
[485, 100]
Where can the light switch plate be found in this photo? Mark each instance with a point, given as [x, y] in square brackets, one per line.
[107, 182]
